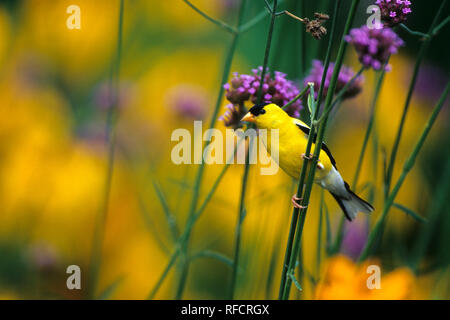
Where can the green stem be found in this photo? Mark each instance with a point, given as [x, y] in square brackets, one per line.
[440, 26]
[112, 116]
[164, 274]
[241, 213]
[420, 57]
[241, 216]
[192, 217]
[215, 21]
[296, 98]
[208, 197]
[414, 33]
[340, 95]
[257, 19]
[294, 219]
[409, 163]
[317, 148]
[340, 230]
[369, 127]
[437, 205]
[319, 234]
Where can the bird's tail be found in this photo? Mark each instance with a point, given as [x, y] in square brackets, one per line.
[351, 204]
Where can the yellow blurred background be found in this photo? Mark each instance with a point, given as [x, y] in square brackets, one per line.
[53, 159]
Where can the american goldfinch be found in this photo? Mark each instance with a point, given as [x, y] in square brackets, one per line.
[293, 138]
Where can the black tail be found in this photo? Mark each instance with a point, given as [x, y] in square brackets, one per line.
[351, 204]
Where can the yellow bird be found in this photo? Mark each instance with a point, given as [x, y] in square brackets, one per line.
[293, 138]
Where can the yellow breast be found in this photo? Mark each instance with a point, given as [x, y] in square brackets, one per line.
[292, 144]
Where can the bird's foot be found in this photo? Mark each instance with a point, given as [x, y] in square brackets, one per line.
[306, 156]
[294, 200]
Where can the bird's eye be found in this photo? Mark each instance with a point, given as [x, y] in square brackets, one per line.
[262, 111]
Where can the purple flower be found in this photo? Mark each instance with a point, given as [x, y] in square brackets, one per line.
[104, 97]
[393, 12]
[374, 46]
[232, 116]
[43, 257]
[355, 237]
[345, 75]
[243, 89]
[188, 101]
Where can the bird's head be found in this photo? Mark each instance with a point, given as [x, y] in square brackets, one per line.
[266, 116]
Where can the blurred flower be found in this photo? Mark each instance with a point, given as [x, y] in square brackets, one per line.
[188, 101]
[43, 256]
[232, 116]
[346, 280]
[394, 12]
[244, 88]
[104, 96]
[374, 46]
[355, 237]
[345, 75]
[31, 72]
[430, 83]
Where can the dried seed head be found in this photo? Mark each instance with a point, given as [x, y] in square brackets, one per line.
[315, 28]
[321, 16]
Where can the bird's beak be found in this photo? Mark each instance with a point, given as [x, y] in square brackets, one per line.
[248, 117]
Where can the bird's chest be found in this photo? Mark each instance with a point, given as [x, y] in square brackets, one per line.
[287, 150]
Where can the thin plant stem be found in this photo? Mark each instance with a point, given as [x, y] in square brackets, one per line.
[301, 94]
[208, 197]
[440, 26]
[199, 176]
[409, 163]
[378, 85]
[414, 33]
[238, 230]
[317, 148]
[217, 22]
[420, 57]
[294, 219]
[373, 105]
[319, 234]
[340, 95]
[182, 246]
[164, 274]
[112, 116]
[241, 213]
[257, 19]
[437, 205]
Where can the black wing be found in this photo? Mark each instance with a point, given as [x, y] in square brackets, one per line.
[324, 146]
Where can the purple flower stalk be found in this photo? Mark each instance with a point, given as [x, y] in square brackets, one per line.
[243, 88]
[345, 75]
[374, 46]
[394, 12]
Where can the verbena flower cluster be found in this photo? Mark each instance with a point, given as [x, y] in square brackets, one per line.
[244, 88]
[345, 75]
[374, 46]
[394, 12]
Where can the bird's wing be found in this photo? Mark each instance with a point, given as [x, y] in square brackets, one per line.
[304, 127]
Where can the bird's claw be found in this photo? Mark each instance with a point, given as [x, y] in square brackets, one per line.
[306, 157]
[294, 200]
